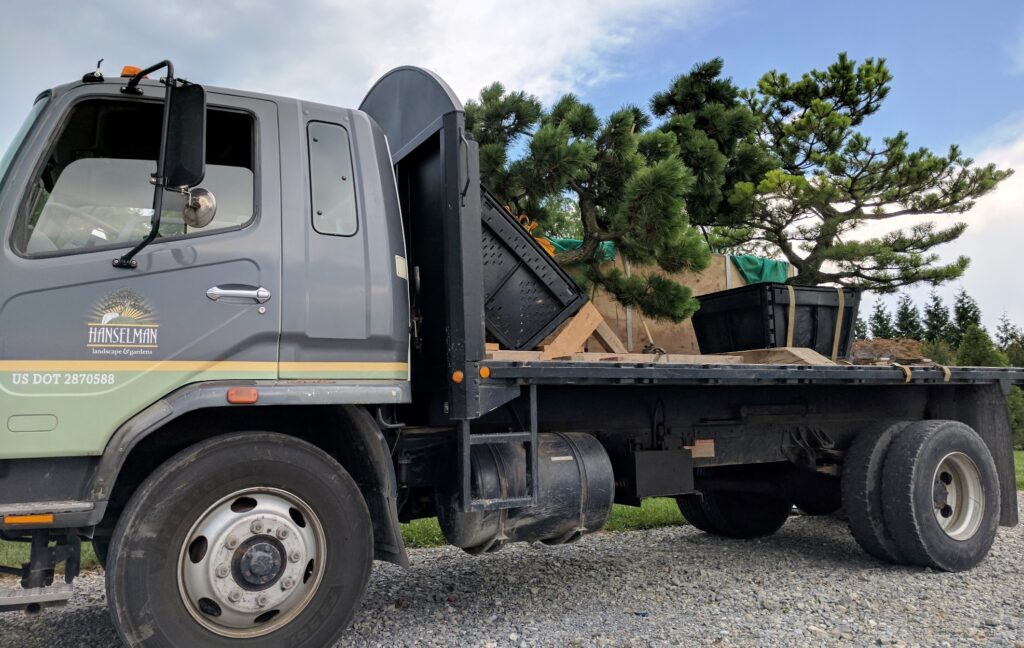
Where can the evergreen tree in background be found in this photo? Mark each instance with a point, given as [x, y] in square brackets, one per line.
[1016, 406]
[939, 351]
[860, 329]
[1010, 340]
[1007, 332]
[831, 179]
[977, 350]
[936, 319]
[627, 182]
[966, 314]
[1015, 354]
[908, 319]
[881, 322]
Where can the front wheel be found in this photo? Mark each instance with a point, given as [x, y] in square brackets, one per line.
[256, 537]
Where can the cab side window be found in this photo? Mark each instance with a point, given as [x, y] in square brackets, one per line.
[331, 182]
[94, 192]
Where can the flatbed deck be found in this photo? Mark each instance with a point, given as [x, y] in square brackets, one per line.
[541, 372]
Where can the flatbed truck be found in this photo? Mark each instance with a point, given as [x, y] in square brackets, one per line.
[243, 338]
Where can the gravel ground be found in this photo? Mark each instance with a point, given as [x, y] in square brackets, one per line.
[808, 585]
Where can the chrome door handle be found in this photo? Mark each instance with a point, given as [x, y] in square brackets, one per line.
[260, 295]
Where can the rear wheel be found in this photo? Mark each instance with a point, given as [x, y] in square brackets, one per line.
[941, 495]
[255, 537]
[745, 515]
[861, 486]
[693, 511]
[817, 494]
[735, 514]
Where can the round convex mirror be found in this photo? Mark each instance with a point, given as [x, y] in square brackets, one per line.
[200, 208]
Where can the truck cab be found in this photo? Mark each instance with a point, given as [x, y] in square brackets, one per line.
[299, 283]
[300, 274]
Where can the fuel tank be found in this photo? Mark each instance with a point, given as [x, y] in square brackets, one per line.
[576, 487]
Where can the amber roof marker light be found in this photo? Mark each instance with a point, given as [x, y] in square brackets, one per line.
[129, 71]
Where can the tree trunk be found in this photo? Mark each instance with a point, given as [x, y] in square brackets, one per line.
[591, 237]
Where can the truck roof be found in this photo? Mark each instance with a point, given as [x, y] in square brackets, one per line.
[151, 83]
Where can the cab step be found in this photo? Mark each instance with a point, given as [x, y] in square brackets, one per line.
[15, 598]
[528, 438]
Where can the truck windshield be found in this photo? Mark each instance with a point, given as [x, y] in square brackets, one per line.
[19, 137]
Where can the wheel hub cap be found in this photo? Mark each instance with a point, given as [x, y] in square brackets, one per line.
[251, 563]
[958, 498]
[261, 564]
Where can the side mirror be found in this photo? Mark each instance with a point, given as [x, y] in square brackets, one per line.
[185, 144]
[181, 164]
[200, 208]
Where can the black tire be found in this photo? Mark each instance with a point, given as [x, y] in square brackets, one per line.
[817, 494]
[693, 511]
[861, 487]
[745, 515]
[735, 514]
[923, 468]
[146, 551]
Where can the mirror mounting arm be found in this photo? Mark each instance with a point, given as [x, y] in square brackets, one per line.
[133, 83]
[158, 179]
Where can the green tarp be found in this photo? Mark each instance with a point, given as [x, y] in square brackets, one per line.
[565, 244]
[758, 270]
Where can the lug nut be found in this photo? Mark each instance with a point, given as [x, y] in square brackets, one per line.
[294, 556]
[261, 600]
[287, 583]
[257, 526]
[282, 532]
[231, 542]
[235, 596]
[222, 571]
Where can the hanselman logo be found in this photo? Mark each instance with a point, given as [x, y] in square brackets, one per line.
[123, 324]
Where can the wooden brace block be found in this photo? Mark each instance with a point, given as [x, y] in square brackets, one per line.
[492, 346]
[608, 340]
[572, 338]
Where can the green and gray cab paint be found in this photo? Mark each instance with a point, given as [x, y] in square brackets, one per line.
[85, 346]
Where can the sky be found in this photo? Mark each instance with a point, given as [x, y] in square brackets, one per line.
[958, 66]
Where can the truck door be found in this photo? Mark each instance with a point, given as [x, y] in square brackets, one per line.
[84, 346]
[346, 314]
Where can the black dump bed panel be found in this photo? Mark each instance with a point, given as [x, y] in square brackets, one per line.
[527, 295]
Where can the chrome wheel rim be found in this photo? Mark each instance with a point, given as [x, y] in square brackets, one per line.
[958, 498]
[251, 563]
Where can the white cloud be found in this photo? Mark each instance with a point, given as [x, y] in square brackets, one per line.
[332, 50]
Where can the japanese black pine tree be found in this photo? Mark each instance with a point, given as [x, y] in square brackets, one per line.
[832, 181]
